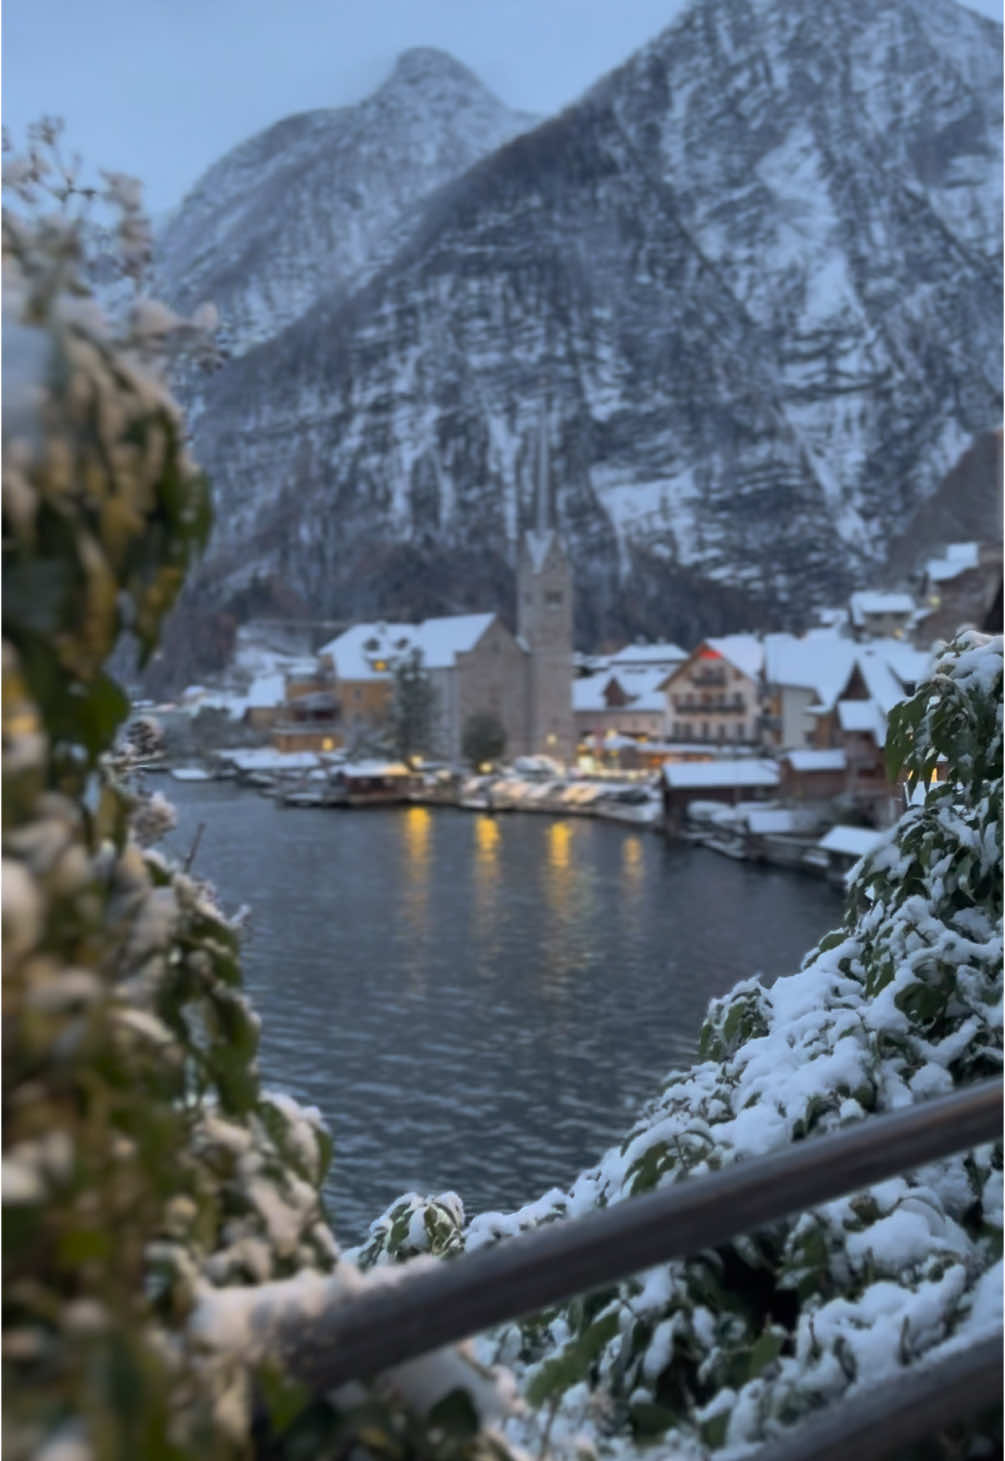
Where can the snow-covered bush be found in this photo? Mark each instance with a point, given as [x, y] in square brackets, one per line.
[144, 1168]
[903, 1002]
[411, 1226]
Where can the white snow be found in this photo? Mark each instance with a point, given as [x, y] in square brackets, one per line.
[369, 651]
[816, 759]
[856, 841]
[744, 652]
[721, 773]
[872, 601]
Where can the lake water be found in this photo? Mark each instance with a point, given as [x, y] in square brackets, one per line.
[478, 1003]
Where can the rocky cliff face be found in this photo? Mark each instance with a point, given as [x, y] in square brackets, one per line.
[756, 272]
[316, 203]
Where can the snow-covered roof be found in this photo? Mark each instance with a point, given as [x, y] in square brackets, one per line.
[774, 819]
[644, 687]
[266, 690]
[880, 681]
[358, 651]
[641, 688]
[743, 651]
[441, 640]
[957, 558]
[265, 758]
[588, 691]
[862, 716]
[874, 601]
[352, 769]
[649, 654]
[908, 664]
[821, 662]
[721, 773]
[816, 759]
[856, 841]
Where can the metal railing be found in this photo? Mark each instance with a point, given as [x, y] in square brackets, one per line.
[461, 1297]
[361, 1337]
[557, 1262]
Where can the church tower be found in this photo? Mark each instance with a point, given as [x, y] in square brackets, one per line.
[544, 626]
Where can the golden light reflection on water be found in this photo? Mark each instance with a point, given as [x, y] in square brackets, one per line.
[487, 842]
[632, 866]
[559, 838]
[418, 835]
[562, 955]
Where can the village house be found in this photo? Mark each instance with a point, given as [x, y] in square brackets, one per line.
[815, 774]
[874, 614]
[713, 697]
[630, 704]
[724, 781]
[880, 678]
[957, 590]
[800, 676]
[309, 718]
[474, 663]
[665, 657]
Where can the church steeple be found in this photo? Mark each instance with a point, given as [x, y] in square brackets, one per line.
[542, 472]
[544, 619]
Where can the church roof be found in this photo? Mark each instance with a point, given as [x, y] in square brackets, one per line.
[538, 544]
[368, 651]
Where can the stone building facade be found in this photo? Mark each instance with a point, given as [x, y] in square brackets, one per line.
[544, 632]
[473, 661]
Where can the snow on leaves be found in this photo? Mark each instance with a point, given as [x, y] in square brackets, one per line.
[902, 1003]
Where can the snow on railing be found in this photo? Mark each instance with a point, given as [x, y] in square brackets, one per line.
[384, 1326]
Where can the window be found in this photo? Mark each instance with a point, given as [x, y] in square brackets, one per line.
[686, 730]
[722, 731]
[704, 730]
[553, 598]
[676, 730]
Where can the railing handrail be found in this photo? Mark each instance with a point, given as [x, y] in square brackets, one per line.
[910, 1406]
[358, 1338]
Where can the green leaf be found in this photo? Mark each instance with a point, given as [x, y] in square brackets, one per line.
[456, 1414]
[764, 1352]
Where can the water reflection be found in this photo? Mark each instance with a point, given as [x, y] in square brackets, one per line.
[487, 840]
[418, 829]
[498, 1051]
[632, 866]
[559, 837]
[568, 948]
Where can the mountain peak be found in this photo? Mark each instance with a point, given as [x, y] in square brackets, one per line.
[427, 66]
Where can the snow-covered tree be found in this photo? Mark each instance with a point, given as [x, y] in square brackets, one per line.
[901, 1003]
[413, 706]
[147, 1176]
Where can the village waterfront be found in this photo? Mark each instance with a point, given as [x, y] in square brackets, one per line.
[477, 1003]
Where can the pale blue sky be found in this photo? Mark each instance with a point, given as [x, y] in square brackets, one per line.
[161, 88]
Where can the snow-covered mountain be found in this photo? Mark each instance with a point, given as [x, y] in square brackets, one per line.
[756, 271]
[318, 201]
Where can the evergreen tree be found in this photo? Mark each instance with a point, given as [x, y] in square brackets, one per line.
[413, 706]
[483, 738]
